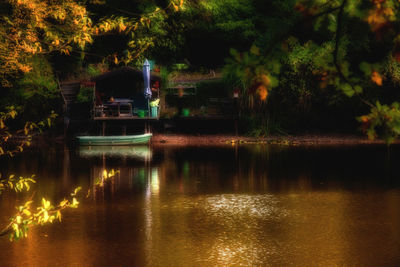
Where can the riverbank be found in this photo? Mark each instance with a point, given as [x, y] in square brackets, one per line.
[226, 139]
[309, 140]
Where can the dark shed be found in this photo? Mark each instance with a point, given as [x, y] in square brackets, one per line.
[125, 82]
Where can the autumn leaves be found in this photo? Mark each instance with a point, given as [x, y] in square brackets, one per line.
[31, 27]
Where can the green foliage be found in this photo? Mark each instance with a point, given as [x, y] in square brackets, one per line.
[85, 95]
[39, 81]
[164, 74]
[252, 74]
[391, 69]
[383, 120]
[180, 66]
[93, 70]
[143, 33]
[231, 16]
[351, 46]
[259, 126]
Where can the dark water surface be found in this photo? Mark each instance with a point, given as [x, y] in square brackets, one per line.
[213, 206]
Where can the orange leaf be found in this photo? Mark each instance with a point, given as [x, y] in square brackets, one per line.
[364, 119]
[262, 92]
[376, 78]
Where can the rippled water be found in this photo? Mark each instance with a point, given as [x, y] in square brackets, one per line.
[213, 206]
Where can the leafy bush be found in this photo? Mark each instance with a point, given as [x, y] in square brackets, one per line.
[39, 81]
[85, 95]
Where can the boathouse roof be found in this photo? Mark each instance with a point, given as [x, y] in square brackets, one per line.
[122, 82]
[124, 73]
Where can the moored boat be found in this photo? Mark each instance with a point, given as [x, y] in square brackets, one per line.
[139, 139]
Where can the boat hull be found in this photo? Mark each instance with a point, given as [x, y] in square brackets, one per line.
[114, 140]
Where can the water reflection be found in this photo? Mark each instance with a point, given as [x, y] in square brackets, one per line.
[138, 152]
[223, 206]
[155, 181]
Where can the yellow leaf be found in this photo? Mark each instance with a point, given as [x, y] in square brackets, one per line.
[13, 113]
[63, 203]
[76, 191]
[27, 212]
[58, 216]
[74, 203]
[45, 203]
[122, 27]
[45, 216]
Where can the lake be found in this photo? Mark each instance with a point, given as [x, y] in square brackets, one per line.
[246, 205]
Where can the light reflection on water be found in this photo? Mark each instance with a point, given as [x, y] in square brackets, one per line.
[253, 206]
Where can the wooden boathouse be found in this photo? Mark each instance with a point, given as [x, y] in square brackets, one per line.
[116, 99]
[116, 105]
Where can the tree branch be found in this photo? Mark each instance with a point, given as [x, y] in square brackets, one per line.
[286, 34]
[339, 29]
[8, 228]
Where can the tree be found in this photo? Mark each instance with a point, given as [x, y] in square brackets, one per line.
[32, 27]
[347, 45]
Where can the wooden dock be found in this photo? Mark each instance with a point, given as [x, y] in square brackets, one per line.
[125, 118]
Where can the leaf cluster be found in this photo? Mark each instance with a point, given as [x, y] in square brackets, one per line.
[45, 213]
[383, 120]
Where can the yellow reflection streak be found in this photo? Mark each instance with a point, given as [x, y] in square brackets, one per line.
[155, 181]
